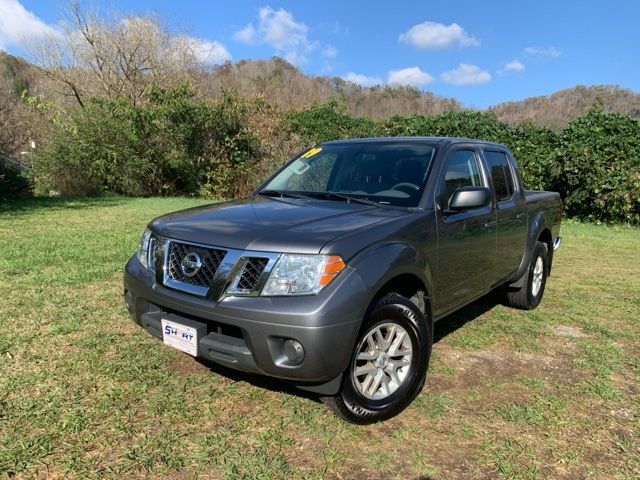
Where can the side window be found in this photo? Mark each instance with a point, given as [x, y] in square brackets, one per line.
[509, 174]
[495, 162]
[462, 171]
[501, 173]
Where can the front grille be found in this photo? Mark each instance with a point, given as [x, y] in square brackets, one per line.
[251, 272]
[203, 277]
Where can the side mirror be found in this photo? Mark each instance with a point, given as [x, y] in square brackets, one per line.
[468, 198]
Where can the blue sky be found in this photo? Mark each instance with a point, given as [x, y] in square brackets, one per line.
[479, 52]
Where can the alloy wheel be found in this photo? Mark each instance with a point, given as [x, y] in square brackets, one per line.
[383, 361]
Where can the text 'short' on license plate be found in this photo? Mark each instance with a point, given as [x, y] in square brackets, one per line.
[180, 337]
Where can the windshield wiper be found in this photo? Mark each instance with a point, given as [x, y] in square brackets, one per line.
[282, 193]
[340, 196]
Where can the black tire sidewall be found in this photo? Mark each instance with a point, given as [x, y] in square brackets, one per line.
[539, 252]
[403, 312]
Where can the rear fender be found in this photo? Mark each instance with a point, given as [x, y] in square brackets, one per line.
[536, 226]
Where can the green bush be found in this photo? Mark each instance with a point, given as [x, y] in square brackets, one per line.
[535, 150]
[485, 126]
[171, 144]
[95, 152]
[176, 143]
[12, 182]
[598, 167]
[232, 152]
[330, 121]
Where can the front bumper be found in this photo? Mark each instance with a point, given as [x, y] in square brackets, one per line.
[247, 333]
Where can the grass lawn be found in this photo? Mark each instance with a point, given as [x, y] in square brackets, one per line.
[84, 392]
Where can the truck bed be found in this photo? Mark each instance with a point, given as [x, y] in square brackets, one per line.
[534, 196]
[549, 203]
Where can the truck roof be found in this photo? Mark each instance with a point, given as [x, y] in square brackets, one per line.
[438, 140]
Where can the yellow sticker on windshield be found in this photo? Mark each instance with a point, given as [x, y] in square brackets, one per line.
[312, 152]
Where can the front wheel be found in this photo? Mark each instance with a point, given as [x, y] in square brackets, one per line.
[388, 365]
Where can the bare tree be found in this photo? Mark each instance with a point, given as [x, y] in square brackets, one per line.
[96, 55]
[13, 132]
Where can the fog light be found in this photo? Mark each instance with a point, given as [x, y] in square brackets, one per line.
[293, 351]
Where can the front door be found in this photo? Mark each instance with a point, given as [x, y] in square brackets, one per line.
[466, 239]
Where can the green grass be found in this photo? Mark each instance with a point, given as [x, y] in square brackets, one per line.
[84, 393]
[541, 411]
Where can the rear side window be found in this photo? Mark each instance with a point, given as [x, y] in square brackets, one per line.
[462, 171]
[501, 174]
[509, 173]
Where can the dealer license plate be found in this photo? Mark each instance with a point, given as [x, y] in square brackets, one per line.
[180, 337]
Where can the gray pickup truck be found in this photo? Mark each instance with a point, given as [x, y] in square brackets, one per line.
[332, 273]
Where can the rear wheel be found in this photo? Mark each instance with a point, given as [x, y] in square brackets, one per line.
[529, 294]
[388, 365]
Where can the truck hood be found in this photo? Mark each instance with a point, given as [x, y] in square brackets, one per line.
[270, 224]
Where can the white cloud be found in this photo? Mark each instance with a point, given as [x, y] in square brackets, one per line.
[329, 51]
[411, 76]
[513, 66]
[552, 52]
[18, 25]
[246, 35]
[209, 52]
[438, 35]
[362, 80]
[466, 74]
[281, 31]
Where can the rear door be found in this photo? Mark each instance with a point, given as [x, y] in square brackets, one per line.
[466, 239]
[511, 211]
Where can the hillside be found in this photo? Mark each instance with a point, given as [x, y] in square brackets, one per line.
[289, 88]
[18, 73]
[557, 109]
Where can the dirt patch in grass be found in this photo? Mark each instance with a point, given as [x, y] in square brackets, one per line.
[477, 368]
[565, 331]
[187, 365]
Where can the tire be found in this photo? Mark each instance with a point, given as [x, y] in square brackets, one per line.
[401, 364]
[529, 294]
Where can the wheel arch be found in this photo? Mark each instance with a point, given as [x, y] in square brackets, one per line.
[397, 268]
[539, 230]
[409, 286]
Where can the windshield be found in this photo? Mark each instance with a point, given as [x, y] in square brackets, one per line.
[389, 173]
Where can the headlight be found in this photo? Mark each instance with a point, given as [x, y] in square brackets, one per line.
[302, 274]
[145, 249]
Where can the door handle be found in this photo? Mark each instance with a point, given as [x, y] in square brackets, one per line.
[490, 225]
[521, 216]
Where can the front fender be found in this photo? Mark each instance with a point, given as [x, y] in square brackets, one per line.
[380, 263]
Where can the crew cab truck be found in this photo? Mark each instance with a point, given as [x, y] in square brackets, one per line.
[332, 273]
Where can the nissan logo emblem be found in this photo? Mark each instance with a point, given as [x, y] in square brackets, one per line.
[191, 264]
